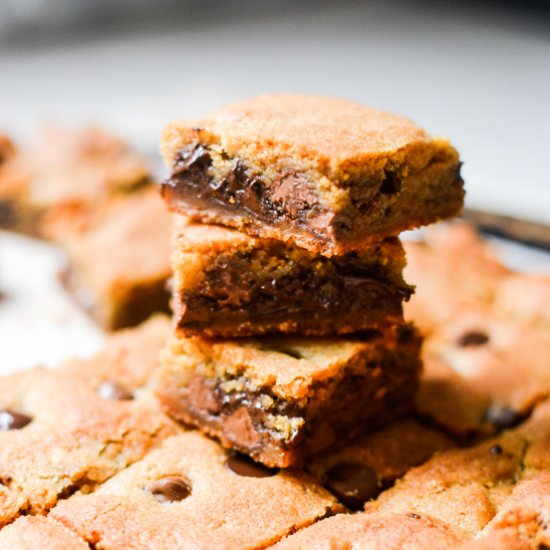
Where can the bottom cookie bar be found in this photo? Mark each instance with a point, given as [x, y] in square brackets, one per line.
[191, 493]
[281, 399]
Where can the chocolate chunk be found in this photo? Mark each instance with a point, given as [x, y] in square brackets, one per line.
[169, 489]
[239, 427]
[502, 417]
[244, 466]
[496, 450]
[391, 184]
[10, 420]
[195, 156]
[114, 391]
[473, 338]
[414, 516]
[353, 483]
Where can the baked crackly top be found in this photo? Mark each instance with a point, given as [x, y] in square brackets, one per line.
[289, 366]
[332, 136]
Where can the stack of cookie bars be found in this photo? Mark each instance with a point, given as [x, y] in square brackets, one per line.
[287, 284]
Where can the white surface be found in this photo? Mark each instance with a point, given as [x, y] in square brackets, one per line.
[40, 324]
[478, 74]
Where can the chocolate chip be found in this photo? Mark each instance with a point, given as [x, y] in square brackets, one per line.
[414, 516]
[353, 483]
[244, 466]
[10, 420]
[169, 489]
[391, 184]
[473, 338]
[496, 450]
[502, 417]
[192, 160]
[114, 391]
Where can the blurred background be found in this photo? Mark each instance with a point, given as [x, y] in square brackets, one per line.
[477, 72]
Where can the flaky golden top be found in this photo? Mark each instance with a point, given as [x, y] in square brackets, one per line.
[331, 136]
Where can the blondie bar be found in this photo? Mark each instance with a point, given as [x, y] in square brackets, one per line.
[191, 493]
[281, 399]
[64, 169]
[108, 273]
[326, 174]
[229, 284]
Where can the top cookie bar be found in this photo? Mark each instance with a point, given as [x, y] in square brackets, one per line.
[329, 175]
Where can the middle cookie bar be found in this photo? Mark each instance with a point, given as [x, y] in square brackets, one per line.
[282, 399]
[230, 284]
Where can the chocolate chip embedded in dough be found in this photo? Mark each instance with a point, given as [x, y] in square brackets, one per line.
[114, 391]
[496, 450]
[239, 427]
[246, 467]
[169, 489]
[473, 338]
[353, 483]
[11, 420]
[502, 417]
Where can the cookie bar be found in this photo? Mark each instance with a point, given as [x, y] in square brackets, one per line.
[522, 517]
[326, 174]
[281, 399]
[69, 429]
[452, 268]
[383, 531]
[482, 370]
[31, 532]
[229, 284]
[498, 490]
[460, 487]
[191, 493]
[65, 169]
[109, 275]
[358, 472]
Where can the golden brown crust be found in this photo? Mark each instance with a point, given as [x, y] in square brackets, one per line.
[376, 531]
[289, 366]
[497, 492]
[334, 137]
[31, 532]
[222, 509]
[389, 452]
[85, 424]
